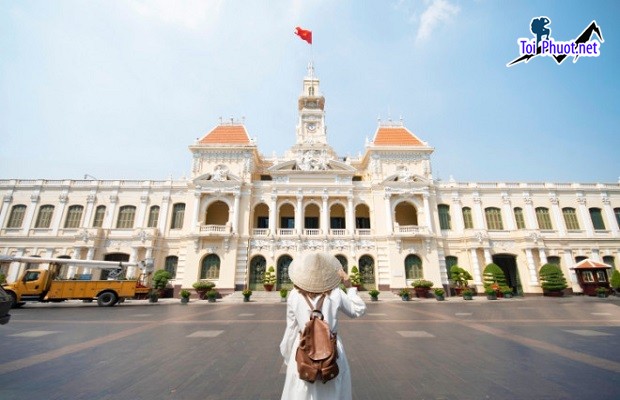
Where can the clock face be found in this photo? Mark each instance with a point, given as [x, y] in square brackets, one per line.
[311, 126]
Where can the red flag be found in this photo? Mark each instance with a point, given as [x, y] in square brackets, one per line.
[304, 34]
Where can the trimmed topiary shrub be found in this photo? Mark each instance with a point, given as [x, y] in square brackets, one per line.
[615, 280]
[552, 278]
[459, 276]
[493, 275]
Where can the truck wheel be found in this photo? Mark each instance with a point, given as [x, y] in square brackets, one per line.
[107, 299]
[14, 303]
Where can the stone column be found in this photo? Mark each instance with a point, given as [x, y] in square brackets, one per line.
[90, 255]
[90, 205]
[58, 213]
[457, 207]
[488, 259]
[131, 271]
[531, 267]
[144, 201]
[299, 215]
[163, 213]
[478, 212]
[557, 215]
[6, 206]
[196, 212]
[108, 221]
[272, 214]
[611, 217]
[350, 221]
[324, 215]
[427, 213]
[72, 270]
[585, 215]
[530, 215]
[476, 266]
[389, 226]
[543, 255]
[235, 219]
[34, 200]
[509, 216]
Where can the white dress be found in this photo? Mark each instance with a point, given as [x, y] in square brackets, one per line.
[297, 314]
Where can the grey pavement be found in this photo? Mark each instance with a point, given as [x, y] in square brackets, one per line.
[521, 348]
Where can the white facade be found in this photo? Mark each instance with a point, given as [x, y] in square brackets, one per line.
[241, 212]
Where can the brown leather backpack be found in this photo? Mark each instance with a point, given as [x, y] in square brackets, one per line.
[317, 352]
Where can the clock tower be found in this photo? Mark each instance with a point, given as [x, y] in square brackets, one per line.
[311, 106]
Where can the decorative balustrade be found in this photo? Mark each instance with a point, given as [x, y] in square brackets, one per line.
[286, 232]
[412, 230]
[217, 229]
[338, 232]
[312, 232]
[260, 232]
[363, 232]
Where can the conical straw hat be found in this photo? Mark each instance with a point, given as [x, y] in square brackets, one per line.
[315, 272]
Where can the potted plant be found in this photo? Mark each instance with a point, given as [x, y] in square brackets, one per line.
[422, 287]
[552, 280]
[467, 294]
[614, 282]
[160, 280]
[491, 293]
[269, 279]
[212, 295]
[460, 277]
[153, 295]
[507, 292]
[246, 295]
[404, 294]
[439, 294]
[185, 296]
[374, 295]
[601, 292]
[355, 277]
[202, 287]
[283, 294]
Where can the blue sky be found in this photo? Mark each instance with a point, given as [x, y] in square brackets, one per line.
[120, 89]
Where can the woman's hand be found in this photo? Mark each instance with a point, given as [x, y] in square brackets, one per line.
[345, 278]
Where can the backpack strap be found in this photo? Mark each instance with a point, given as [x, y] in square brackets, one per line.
[319, 305]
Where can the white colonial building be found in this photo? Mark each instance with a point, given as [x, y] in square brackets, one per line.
[241, 212]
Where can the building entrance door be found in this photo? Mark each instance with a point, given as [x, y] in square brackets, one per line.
[257, 271]
[367, 272]
[508, 264]
[284, 282]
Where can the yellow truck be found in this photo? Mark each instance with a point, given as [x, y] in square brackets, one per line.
[44, 285]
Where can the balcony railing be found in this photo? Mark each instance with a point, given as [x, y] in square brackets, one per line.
[363, 232]
[218, 229]
[411, 229]
[286, 232]
[338, 232]
[312, 232]
[260, 232]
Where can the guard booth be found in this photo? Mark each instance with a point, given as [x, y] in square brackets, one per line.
[591, 275]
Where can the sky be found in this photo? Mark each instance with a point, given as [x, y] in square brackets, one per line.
[116, 89]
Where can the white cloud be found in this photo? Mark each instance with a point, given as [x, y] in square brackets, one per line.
[437, 12]
[189, 14]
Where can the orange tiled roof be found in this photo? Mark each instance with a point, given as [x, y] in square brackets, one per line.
[226, 134]
[587, 263]
[395, 136]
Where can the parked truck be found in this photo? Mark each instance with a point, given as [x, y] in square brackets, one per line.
[46, 285]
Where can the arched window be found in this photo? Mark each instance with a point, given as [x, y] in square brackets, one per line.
[74, 217]
[617, 212]
[343, 262]
[597, 219]
[494, 218]
[153, 217]
[16, 219]
[283, 279]
[210, 267]
[570, 219]
[178, 214]
[405, 214]
[367, 270]
[413, 267]
[451, 261]
[543, 218]
[44, 219]
[99, 215]
[444, 216]
[126, 216]
[554, 260]
[468, 221]
[171, 266]
[519, 219]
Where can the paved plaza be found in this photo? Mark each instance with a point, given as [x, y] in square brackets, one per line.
[522, 348]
